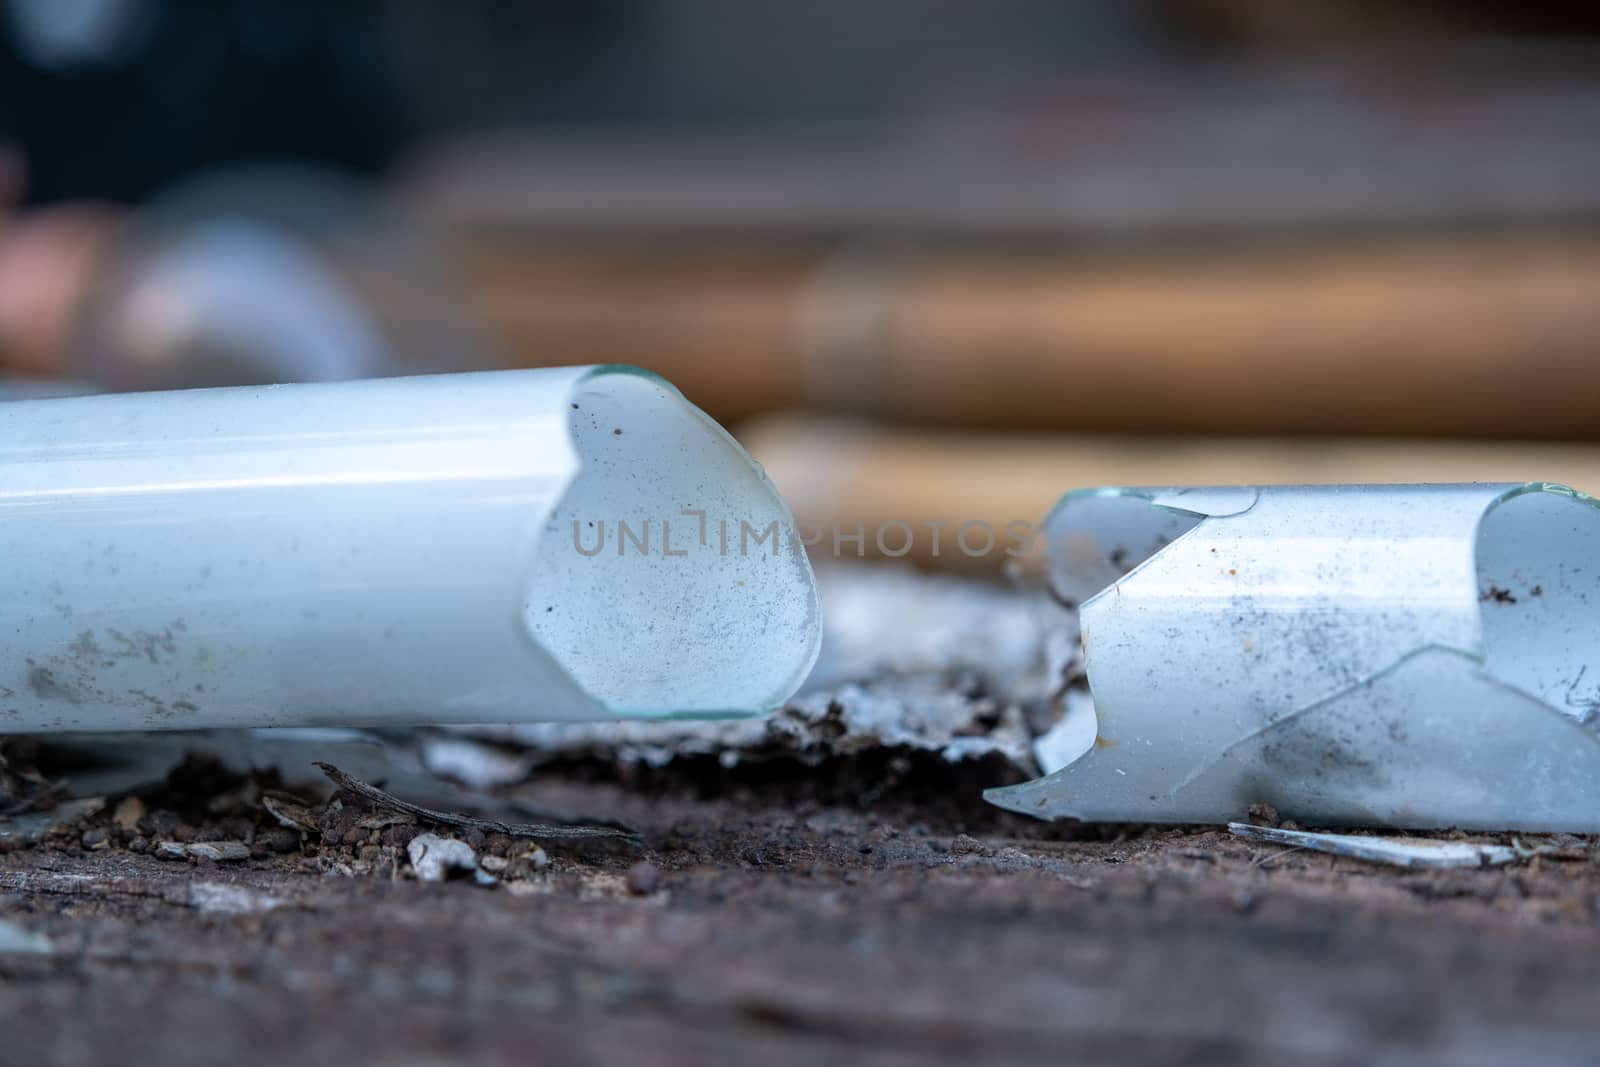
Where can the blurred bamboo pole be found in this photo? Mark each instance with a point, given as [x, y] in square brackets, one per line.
[842, 473]
[1488, 335]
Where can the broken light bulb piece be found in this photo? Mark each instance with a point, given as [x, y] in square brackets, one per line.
[1411, 656]
[513, 546]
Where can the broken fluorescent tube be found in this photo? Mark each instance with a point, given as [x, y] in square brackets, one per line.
[514, 546]
[1410, 656]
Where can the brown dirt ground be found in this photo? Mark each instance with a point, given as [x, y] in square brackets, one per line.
[800, 918]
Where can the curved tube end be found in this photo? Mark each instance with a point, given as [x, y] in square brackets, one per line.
[670, 579]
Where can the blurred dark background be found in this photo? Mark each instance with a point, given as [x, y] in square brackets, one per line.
[910, 230]
[116, 99]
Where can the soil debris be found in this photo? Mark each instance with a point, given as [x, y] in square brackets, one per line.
[436, 858]
[906, 921]
[128, 812]
[377, 796]
[290, 814]
[642, 879]
[217, 852]
[19, 830]
[23, 788]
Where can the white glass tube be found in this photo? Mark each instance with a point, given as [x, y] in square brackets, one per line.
[1420, 656]
[514, 546]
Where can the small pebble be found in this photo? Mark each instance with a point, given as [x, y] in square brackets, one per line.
[96, 838]
[207, 851]
[282, 840]
[434, 858]
[966, 844]
[1262, 815]
[219, 850]
[643, 879]
[129, 811]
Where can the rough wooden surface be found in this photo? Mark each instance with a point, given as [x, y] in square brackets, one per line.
[795, 925]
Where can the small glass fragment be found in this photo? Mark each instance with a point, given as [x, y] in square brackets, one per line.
[1392, 851]
[1409, 656]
